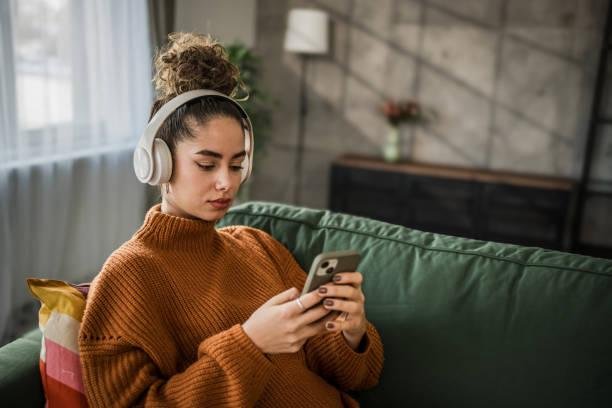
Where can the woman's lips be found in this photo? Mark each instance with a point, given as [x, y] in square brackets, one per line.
[221, 204]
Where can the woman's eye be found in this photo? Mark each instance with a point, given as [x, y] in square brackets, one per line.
[210, 167]
[206, 167]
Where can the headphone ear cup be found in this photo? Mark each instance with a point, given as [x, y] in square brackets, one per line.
[142, 164]
[162, 163]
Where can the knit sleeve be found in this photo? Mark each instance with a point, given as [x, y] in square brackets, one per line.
[329, 354]
[121, 367]
[332, 357]
[229, 371]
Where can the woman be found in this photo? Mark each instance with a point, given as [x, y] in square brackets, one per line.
[186, 315]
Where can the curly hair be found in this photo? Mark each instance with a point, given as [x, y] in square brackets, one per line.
[193, 61]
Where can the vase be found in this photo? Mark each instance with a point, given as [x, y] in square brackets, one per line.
[391, 147]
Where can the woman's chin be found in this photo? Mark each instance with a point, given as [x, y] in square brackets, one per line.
[212, 214]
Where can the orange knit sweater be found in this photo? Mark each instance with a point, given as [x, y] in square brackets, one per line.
[162, 325]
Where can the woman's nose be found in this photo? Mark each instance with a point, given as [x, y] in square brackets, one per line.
[222, 180]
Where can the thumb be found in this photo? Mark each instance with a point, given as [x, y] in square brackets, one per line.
[283, 297]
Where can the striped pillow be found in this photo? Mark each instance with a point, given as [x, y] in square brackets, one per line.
[59, 319]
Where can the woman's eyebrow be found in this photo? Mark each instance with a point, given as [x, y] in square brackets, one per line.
[239, 154]
[206, 152]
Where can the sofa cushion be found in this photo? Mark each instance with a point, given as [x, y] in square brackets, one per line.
[20, 384]
[465, 323]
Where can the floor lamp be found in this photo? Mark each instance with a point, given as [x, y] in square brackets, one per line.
[307, 35]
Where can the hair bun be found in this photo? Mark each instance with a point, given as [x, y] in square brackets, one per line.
[193, 61]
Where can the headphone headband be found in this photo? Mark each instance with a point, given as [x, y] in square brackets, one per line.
[144, 161]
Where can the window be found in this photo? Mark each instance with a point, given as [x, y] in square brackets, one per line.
[78, 76]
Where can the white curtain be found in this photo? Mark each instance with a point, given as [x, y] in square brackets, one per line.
[75, 92]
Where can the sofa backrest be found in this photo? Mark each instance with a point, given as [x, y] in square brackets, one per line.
[466, 323]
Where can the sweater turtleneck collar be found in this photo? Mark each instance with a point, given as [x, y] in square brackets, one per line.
[171, 231]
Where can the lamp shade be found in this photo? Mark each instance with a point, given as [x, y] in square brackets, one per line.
[307, 31]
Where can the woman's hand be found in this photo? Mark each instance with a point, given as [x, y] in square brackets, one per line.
[282, 325]
[345, 295]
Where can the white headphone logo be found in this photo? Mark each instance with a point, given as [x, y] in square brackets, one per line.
[152, 157]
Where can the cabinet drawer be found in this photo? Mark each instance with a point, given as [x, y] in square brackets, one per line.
[460, 226]
[375, 179]
[440, 189]
[527, 198]
[376, 204]
[518, 223]
[442, 213]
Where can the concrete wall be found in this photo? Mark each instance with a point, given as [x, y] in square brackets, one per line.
[511, 82]
[226, 20]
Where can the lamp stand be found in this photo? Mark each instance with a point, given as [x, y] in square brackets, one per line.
[303, 110]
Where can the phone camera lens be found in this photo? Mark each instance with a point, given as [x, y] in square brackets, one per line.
[324, 264]
[329, 270]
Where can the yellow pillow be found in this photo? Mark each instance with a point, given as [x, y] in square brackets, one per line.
[59, 319]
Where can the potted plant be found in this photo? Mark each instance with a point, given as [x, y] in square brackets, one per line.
[259, 103]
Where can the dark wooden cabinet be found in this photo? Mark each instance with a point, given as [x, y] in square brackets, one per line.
[481, 204]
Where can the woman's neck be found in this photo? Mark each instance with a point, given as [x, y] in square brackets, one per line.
[168, 207]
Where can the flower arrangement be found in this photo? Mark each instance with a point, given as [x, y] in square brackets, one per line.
[397, 112]
[400, 111]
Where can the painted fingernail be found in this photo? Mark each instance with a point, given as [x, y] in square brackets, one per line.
[337, 278]
[330, 325]
[322, 290]
[328, 302]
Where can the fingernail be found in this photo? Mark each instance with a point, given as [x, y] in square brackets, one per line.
[322, 290]
[328, 302]
[337, 278]
[330, 325]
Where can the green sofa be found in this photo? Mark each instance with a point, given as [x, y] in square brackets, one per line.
[464, 323]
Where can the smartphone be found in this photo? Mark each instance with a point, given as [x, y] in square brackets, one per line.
[327, 264]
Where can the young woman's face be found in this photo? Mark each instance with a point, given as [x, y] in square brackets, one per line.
[206, 171]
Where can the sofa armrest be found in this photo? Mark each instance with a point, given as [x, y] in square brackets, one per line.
[20, 382]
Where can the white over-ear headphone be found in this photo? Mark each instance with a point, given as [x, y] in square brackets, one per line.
[152, 157]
